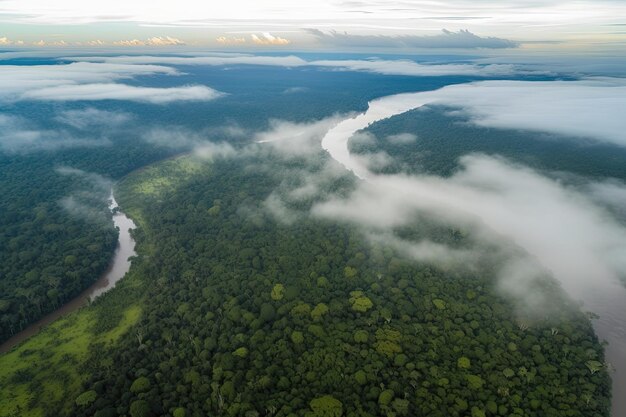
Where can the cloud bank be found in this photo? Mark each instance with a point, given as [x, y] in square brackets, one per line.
[92, 81]
[572, 237]
[463, 39]
[591, 108]
[123, 92]
[378, 66]
[18, 135]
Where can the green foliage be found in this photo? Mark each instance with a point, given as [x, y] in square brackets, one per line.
[319, 311]
[141, 384]
[360, 377]
[475, 382]
[179, 412]
[140, 408]
[278, 292]
[361, 336]
[463, 363]
[86, 398]
[297, 337]
[385, 397]
[349, 272]
[360, 302]
[241, 352]
[322, 282]
[326, 406]
[439, 303]
[403, 343]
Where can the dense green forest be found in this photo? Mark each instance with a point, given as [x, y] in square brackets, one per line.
[241, 303]
[56, 233]
[246, 315]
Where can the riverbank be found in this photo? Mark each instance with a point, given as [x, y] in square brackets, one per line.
[119, 266]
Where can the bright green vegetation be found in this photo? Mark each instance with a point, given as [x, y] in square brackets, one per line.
[245, 315]
[39, 376]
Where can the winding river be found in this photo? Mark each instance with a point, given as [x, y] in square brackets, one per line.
[607, 301]
[119, 266]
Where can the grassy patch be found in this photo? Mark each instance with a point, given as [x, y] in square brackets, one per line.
[46, 367]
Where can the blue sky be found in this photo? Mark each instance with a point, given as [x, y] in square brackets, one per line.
[532, 24]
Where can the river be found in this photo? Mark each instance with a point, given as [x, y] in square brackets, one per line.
[119, 266]
[607, 300]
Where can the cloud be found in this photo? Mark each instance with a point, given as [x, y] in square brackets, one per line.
[564, 230]
[86, 201]
[230, 40]
[591, 108]
[164, 41]
[129, 42]
[47, 43]
[463, 39]
[178, 137]
[91, 117]
[16, 80]
[123, 92]
[18, 135]
[379, 66]
[412, 68]
[266, 38]
[213, 59]
[93, 81]
[4, 41]
[588, 108]
[401, 138]
[294, 90]
[296, 139]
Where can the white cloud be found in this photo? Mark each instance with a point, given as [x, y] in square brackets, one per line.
[164, 41]
[570, 235]
[266, 38]
[92, 81]
[91, 117]
[463, 39]
[18, 135]
[214, 59]
[412, 68]
[153, 41]
[592, 108]
[16, 80]
[379, 66]
[129, 42]
[568, 232]
[296, 139]
[402, 138]
[4, 41]
[123, 92]
[224, 40]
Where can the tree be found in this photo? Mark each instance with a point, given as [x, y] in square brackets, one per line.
[463, 363]
[86, 398]
[141, 384]
[360, 302]
[241, 352]
[140, 408]
[326, 406]
[278, 292]
[297, 337]
[385, 397]
[319, 311]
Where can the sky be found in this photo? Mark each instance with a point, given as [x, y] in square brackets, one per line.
[587, 25]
